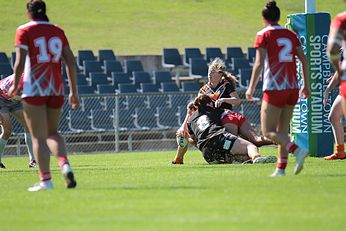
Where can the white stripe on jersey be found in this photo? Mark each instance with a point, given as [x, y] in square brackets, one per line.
[261, 32]
[33, 23]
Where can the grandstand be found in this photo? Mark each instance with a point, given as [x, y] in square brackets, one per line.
[132, 102]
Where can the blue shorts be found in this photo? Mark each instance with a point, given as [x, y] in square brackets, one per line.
[7, 106]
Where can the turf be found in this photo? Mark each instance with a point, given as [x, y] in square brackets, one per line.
[145, 26]
[143, 191]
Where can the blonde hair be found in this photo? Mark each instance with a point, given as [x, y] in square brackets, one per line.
[219, 65]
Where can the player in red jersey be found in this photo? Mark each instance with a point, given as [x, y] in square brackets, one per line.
[40, 48]
[14, 106]
[336, 40]
[276, 48]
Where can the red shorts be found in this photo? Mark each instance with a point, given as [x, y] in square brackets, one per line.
[234, 118]
[280, 98]
[53, 101]
[343, 89]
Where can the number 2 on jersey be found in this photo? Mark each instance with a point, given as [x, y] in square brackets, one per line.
[285, 54]
[54, 48]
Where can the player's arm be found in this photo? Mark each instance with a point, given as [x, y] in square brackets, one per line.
[71, 71]
[333, 81]
[256, 72]
[233, 100]
[305, 90]
[333, 48]
[18, 69]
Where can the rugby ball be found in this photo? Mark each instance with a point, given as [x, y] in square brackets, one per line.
[181, 141]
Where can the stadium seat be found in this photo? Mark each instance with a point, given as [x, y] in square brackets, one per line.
[212, 53]
[162, 77]
[141, 77]
[181, 114]
[176, 100]
[112, 66]
[88, 103]
[85, 55]
[158, 100]
[244, 77]
[102, 120]
[190, 87]
[169, 87]
[13, 58]
[251, 112]
[105, 89]
[106, 55]
[127, 88]
[6, 69]
[148, 87]
[4, 58]
[167, 117]
[81, 79]
[251, 54]
[79, 121]
[97, 78]
[234, 52]
[145, 118]
[171, 58]
[63, 125]
[85, 90]
[118, 77]
[192, 53]
[198, 68]
[124, 120]
[239, 63]
[92, 66]
[133, 65]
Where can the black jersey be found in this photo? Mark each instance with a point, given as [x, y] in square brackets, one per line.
[222, 90]
[205, 124]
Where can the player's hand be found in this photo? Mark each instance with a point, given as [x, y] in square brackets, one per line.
[179, 133]
[249, 94]
[218, 103]
[304, 92]
[73, 101]
[12, 91]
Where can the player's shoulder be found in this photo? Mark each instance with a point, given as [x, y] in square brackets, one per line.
[341, 17]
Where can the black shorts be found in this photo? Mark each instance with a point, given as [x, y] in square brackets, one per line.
[217, 150]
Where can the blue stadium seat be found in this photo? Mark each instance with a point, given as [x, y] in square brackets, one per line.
[86, 90]
[251, 112]
[97, 78]
[162, 77]
[106, 54]
[171, 58]
[234, 52]
[181, 114]
[112, 66]
[63, 125]
[119, 77]
[167, 117]
[81, 79]
[133, 65]
[124, 119]
[239, 63]
[161, 100]
[141, 77]
[89, 103]
[192, 53]
[190, 87]
[148, 87]
[169, 87]
[251, 54]
[127, 88]
[6, 69]
[4, 58]
[102, 120]
[105, 89]
[145, 118]
[85, 55]
[198, 68]
[92, 66]
[176, 100]
[212, 53]
[244, 77]
[79, 120]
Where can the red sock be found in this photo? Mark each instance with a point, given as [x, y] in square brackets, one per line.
[282, 162]
[63, 160]
[45, 176]
[291, 147]
[340, 148]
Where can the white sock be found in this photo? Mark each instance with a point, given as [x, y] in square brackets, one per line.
[2, 146]
[28, 142]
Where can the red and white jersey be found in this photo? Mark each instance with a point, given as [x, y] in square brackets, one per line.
[44, 43]
[5, 85]
[339, 23]
[280, 70]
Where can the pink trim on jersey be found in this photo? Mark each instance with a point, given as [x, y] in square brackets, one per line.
[280, 71]
[44, 43]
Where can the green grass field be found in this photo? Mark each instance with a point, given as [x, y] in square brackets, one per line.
[146, 26]
[143, 191]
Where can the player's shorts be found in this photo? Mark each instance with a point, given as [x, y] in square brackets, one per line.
[53, 101]
[281, 98]
[232, 117]
[217, 150]
[7, 106]
[343, 89]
